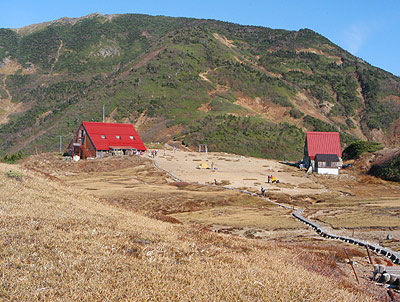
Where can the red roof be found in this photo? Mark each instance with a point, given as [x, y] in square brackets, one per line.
[106, 135]
[323, 143]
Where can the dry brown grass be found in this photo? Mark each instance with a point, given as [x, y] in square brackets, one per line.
[59, 243]
[270, 218]
[310, 186]
[362, 218]
[180, 184]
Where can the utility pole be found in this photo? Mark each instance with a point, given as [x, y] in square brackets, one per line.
[103, 114]
[60, 143]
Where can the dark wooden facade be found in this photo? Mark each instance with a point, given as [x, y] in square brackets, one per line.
[82, 145]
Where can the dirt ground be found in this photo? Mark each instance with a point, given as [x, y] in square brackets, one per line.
[237, 171]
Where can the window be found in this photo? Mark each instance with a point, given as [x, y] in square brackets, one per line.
[132, 137]
[118, 136]
[103, 136]
[328, 163]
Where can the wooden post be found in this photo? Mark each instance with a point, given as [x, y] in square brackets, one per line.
[352, 266]
[391, 294]
[369, 255]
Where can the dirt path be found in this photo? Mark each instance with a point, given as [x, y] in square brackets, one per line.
[7, 107]
[141, 119]
[57, 57]
[6, 89]
[202, 75]
[148, 58]
[337, 59]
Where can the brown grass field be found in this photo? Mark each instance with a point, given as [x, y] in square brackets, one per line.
[118, 229]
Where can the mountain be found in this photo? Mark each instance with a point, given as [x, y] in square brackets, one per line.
[243, 89]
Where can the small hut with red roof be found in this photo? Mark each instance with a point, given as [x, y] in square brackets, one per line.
[323, 153]
[94, 140]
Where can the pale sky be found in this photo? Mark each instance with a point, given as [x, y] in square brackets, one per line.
[368, 29]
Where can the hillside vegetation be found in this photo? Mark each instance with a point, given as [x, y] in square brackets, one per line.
[60, 243]
[356, 149]
[389, 170]
[188, 79]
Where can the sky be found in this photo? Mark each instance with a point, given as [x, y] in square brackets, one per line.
[369, 29]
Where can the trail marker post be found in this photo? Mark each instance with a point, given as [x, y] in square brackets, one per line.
[203, 148]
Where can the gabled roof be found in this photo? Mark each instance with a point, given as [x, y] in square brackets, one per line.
[106, 135]
[323, 143]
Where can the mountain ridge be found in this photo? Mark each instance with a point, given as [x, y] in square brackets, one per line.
[181, 72]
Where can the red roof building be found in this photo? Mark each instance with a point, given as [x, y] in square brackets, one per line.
[323, 144]
[94, 139]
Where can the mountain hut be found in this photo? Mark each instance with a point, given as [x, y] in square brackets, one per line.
[95, 140]
[323, 153]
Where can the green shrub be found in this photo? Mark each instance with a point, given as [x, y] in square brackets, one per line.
[8, 43]
[350, 123]
[317, 125]
[388, 171]
[296, 113]
[12, 158]
[356, 149]
[14, 174]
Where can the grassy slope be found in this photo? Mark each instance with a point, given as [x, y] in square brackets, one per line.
[60, 243]
[137, 64]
